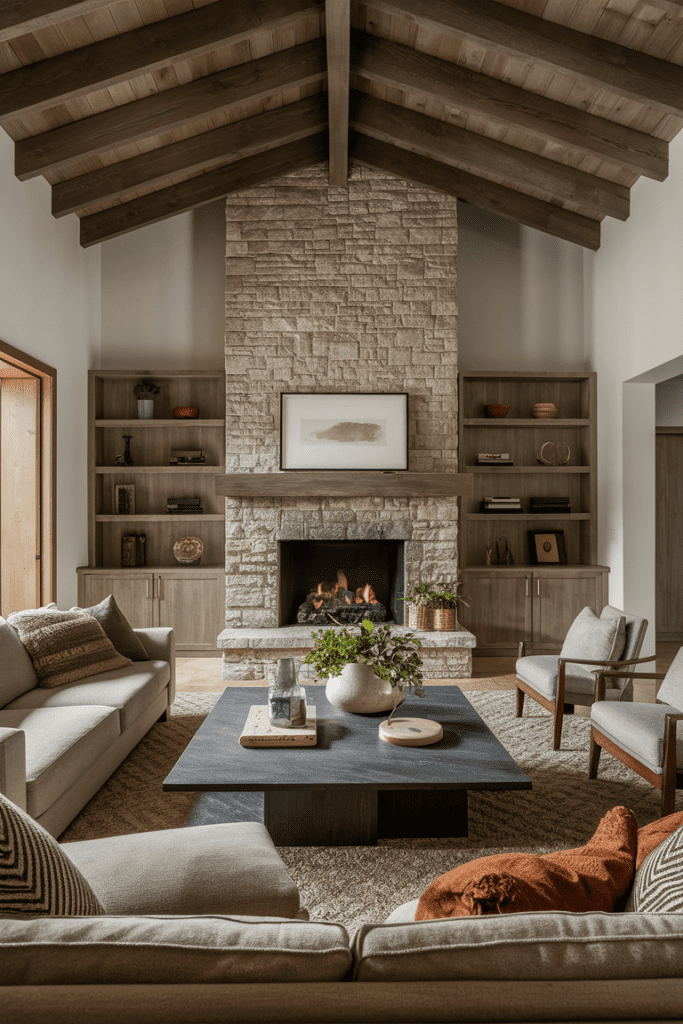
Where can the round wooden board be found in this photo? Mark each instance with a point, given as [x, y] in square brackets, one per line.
[410, 732]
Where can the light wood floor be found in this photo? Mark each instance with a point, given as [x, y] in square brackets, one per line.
[203, 675]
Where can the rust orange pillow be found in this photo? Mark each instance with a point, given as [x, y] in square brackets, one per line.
[655, 833]
[592, 877]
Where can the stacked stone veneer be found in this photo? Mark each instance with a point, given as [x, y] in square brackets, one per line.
[343, 291]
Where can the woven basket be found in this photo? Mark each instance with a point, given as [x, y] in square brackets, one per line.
[424, 617]
[411, 616]
[444, 620]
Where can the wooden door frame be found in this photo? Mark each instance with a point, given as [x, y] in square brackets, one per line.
[47, 376]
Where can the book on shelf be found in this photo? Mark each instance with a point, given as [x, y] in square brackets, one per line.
[501, 504]
[259, 732]
[184, 506]
[549, 505]
[494, 459]
[191, 457]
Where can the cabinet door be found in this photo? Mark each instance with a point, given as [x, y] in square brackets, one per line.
[194, 606]
[500, 608]
[557, 602]
[133, 595]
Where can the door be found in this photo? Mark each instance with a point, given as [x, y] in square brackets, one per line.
[557, 600]
[194, 606]
[133, 595]
[20, 518]
[500, 608]
[669, 534]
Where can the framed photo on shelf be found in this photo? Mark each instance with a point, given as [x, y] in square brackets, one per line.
[344, 431]
[124, 499]
[546, 547]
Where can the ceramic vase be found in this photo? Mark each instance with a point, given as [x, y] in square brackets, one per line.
[359, 690]
[145, 409]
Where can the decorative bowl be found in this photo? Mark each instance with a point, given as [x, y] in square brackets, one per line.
[188, 550]
[545, 410]
[496, 411]
[186, 412]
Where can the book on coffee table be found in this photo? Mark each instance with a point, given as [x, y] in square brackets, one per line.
[258, 731]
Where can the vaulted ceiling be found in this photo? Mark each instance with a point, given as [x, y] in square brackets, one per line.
[543, 111]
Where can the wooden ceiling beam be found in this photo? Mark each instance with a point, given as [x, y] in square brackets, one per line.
[19, 17]
[338, 38]
[481, 155]
[220, 147]
[119, 58]
[486, 195]
[588, 59]
[204, 188]
[431, 78]
[226, 90]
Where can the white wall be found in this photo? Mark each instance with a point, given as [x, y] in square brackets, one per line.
[669, 402]
[163, 294]
[50, 309]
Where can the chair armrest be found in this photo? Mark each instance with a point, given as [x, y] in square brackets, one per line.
[13, 766]
[620, 664]
[669, 752]
[159, 642]
[521, 650]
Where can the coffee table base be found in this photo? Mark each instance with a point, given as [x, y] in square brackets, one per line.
[355, 817]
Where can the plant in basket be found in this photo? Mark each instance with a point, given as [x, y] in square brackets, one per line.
[369, 670]
[434, 605]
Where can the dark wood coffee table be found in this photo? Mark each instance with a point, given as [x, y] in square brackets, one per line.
[352, 788]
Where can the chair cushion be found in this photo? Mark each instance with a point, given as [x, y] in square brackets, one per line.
[36, 876]
[540, 672]
[638, 729]
[130, 689]
[592, 877]
[172, 950]
[61, 743]
[671, 689]
[118, 628]
[65, 646]
[658, 885]
[18, 674]
[593, 638]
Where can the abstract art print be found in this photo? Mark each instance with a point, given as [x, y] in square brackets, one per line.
[339, 431]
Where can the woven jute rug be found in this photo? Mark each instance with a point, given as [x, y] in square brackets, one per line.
[354, 885]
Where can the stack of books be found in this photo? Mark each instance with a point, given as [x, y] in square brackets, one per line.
[549, 505]
[187, 457]
[184, 506]
[501, 505]
[494, 459]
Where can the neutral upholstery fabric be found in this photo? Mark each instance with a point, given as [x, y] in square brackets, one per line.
[638, 729]
[650, 836]
[174, 950]
[210, 869]
[546, 946]
[658, 885]
[540, 671]
[61, 744]
[17, 674]
[131, 689]
[594, 638]
[13, 765]
[118, 628]
[36, 876]
[671, 689]
[65, 646]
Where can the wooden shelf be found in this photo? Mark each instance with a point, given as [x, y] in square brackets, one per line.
[178, 470]
[495, 469]
[500, 422]
[174, 422]
[161, 517]
[528, 516]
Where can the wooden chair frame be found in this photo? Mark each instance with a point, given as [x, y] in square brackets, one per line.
[556, 705]
[671, 778]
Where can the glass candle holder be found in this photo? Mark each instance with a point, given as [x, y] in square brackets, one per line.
[286, 699]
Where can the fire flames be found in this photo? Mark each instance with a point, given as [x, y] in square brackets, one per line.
[330, 597]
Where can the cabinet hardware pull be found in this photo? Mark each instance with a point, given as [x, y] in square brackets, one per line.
[527, 587]
[159, 587]
[147, 582]
[538, 588]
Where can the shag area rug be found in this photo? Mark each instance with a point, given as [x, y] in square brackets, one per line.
[354, 885]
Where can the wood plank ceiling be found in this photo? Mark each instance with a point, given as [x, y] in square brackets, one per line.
[543, 111]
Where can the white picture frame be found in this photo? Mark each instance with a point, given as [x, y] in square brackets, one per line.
[328, 431]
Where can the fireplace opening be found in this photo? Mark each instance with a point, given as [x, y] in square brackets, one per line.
[331, 582]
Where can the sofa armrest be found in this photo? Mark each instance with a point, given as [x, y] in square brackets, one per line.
[159, 642]
[13, 766]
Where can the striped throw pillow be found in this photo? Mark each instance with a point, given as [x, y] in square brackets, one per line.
[65, 646]
[658, 885]
[37, 879]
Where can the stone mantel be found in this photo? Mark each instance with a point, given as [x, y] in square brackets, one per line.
[299, 637]
[337, 484]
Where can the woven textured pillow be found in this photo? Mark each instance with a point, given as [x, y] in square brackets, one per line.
[65, 646]
[658, 885]
[591, 878]
[118, 628]
[37, 879]
[650, 836]
[595, 639]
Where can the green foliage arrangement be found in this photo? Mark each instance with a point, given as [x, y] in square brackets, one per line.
[146, 390]
[440, 595]
[395, 657]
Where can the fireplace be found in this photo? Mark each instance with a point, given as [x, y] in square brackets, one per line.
[340, 582]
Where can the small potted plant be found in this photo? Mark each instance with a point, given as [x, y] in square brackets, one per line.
[369, 670]
[444, 602]
[145, 392]
[419, 602]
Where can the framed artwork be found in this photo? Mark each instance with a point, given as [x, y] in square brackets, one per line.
[546, 547]
[340, 431]
[124, 499]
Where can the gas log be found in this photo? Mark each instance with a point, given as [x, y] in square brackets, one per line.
[334, 602]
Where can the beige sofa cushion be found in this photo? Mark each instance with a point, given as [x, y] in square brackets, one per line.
[131, 689]
[550, 946]
[231, 868]
[175, 950]
[17, 674]
[61, 744]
